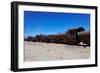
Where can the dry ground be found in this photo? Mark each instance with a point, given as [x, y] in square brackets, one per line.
[38, 51]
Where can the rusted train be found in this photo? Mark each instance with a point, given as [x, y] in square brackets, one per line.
[71, 37]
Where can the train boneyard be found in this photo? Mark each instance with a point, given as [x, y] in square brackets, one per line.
[76, 36]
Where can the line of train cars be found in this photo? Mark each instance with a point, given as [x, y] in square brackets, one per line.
[76, 36]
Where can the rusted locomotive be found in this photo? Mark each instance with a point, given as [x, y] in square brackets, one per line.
[71, 37]
[77, 36]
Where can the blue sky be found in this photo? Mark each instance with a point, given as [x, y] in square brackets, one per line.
[53, 23]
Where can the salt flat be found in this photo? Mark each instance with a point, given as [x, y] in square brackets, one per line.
[39, 51]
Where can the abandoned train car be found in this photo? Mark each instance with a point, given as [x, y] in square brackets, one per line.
[71, 37]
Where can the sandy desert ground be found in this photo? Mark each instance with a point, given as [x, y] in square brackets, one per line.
[37, 51]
